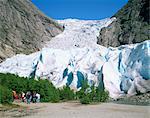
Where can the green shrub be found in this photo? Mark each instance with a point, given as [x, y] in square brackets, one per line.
[92, 94]
[101, 95]
[13, 82]
[46, 89]
[5, 95]
[66, 93]
[94, 97]
[83, 91]
[55, 96]
[85, 100]
[19, 84]
[48, 92]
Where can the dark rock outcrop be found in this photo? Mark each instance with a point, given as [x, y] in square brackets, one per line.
[140, 99]
[131, 25]
[23, 28]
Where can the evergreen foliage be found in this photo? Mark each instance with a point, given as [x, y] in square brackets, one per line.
[66, 94]
[19, 84]
[5, 95]
[92, 94]
[11, 82]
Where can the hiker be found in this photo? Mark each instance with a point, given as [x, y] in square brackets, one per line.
[28, 97]
[15, 96]
[37, 97]
[23, 97]
[34, 97]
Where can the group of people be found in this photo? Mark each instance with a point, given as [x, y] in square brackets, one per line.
[30, 97]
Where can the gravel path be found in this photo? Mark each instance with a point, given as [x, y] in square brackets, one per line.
[76, 110]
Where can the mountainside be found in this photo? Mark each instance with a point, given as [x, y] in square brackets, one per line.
[23, 28]
[131, 25]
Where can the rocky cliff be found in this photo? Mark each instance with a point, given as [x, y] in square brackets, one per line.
[23, 28]
[131, 25]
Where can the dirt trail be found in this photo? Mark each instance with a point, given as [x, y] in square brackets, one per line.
[76, 110]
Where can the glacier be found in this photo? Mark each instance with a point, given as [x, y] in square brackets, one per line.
[124, 70]
[78, 33]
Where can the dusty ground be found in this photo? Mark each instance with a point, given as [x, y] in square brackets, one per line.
[76, 110]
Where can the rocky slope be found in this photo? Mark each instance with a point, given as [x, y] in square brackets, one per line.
[131, 25]
[140, 99]
[23, 28]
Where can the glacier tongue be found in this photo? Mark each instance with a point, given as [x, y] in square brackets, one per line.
[124, 70]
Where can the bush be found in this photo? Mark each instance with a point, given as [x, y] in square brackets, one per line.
[5, 95]
[66, 94]
[48, 92]
[101, 95]
[92, 94]
[83, 91]
[85, 100]
[19, 84]
[13, 82]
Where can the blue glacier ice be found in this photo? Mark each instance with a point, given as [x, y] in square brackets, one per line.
[126, 71]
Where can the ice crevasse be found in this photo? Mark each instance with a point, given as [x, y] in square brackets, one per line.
[124, 70]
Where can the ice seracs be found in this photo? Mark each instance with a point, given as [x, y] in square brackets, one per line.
[124, 70]
[78, 33]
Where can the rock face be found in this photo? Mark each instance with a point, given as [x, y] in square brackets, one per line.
[131, 25]
[23, 28]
